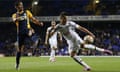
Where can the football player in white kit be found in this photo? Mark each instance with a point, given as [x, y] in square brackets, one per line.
[52, 40]
[67, 29]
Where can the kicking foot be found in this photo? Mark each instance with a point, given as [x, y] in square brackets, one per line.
[108, 51]
[87, 69]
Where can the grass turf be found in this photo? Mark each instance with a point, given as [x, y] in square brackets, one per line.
[63, 64]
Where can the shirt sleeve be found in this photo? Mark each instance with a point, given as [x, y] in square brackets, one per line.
[14, 17]
[74, 24]
[29, 14]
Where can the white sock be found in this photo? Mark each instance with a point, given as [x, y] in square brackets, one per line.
[80, 61]
[52, 54]
[90, 46]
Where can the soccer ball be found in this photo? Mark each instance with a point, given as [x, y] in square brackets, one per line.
[88, 39]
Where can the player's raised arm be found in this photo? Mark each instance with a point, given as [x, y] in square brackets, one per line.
[37, 21]
[85, 30]
[34, 20]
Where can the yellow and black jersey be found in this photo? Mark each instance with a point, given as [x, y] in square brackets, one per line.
[23, 24]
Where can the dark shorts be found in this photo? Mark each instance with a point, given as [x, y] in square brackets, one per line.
[21, 39]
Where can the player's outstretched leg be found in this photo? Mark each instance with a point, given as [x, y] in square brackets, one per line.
[108, 51]
[80, 61]
[18, 55]
[90, 46]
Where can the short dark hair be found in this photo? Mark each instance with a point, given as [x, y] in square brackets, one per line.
[63, 13]
[17, 2]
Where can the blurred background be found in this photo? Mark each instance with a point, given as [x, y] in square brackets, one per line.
[107, 31]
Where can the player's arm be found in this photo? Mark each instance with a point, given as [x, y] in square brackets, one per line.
[46, 37]
[34, 20]
[15, 18]
[85, 30]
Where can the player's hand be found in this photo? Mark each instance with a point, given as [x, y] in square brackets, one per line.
[20, 18]
[31, 32]
[17, 19]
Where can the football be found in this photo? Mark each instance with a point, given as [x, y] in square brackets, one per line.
[88, 39]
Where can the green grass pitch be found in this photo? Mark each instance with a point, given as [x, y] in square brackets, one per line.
[63, 64]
